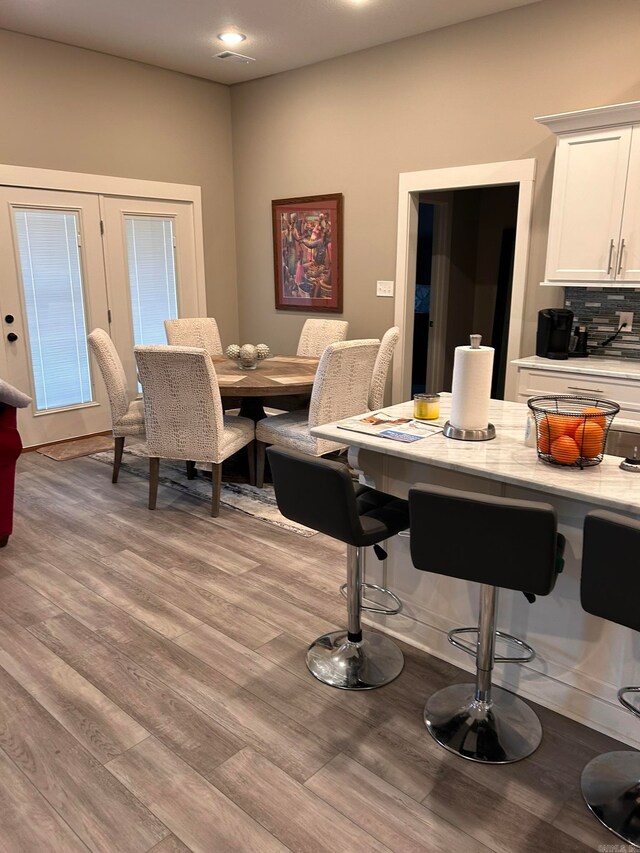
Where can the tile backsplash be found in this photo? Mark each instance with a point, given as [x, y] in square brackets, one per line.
[596, 308]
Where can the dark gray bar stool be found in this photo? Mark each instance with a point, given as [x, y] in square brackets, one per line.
[610, 588]
[321, 495]
[498, 543]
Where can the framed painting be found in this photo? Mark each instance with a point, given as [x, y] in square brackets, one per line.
[307, 251]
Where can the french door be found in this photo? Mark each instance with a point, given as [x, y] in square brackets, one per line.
[71, 262]
[52, 293]
[150, 264]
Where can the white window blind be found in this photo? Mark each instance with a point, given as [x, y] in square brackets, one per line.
[54, 302]
[152, 276]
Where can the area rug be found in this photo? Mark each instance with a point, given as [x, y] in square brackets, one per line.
[258, 503]
[78, 447]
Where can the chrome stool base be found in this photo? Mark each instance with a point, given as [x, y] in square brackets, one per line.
[611, 789]
[373, 662]
[501, 731]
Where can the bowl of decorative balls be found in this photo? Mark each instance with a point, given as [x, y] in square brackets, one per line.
[247, 355]
[572, 431]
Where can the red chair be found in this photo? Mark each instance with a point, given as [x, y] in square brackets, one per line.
[10, 448]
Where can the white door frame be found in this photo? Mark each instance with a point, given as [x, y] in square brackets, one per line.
[411, 185]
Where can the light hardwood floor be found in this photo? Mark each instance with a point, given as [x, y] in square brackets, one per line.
[153, 696]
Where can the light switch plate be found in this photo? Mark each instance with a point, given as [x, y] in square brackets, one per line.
[384, 288]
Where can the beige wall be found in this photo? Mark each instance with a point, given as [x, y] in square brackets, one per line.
[462, 95]
[80, 111]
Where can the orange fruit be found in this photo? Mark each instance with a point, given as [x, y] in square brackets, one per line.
[544, 445]
[551, 427]
[589, 438]
[593, 410]
[565, 450]
[571, 425]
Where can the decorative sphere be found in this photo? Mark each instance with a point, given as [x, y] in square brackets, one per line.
[233, 351]
[248, 357]
[263, 351]
[248, 352]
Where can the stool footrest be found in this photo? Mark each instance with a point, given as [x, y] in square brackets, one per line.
[376, 608]
[625, 702]
[471, 648]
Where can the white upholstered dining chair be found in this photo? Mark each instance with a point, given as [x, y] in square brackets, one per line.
[127, 414]
[184, 417]
[340, 389]
[199, 332]
[316, 335]
[381, 367]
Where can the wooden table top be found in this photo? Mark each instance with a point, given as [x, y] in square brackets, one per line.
[273, 377]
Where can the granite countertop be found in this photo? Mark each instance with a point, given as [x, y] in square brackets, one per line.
[618, 368]
[505, 458]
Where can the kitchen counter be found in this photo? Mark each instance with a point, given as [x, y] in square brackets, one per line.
[581, 660]
[609, 378]
[504, 458]
[619, 368]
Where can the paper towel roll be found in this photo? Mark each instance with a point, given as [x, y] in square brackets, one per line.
[471, 389]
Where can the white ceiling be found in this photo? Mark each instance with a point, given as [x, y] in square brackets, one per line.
[281, 34]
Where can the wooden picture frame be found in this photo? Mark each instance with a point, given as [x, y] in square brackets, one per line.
[307, 253]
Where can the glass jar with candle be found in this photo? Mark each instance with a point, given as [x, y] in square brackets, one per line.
[426, 407]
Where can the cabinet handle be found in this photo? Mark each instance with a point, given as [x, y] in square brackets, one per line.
[620, 257]
[610, 262]
[590, 390]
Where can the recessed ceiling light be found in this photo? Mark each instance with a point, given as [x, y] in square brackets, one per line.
[232, 38]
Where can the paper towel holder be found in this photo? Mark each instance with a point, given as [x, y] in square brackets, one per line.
[486, 434]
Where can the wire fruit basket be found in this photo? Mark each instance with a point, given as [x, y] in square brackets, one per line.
[572, 431]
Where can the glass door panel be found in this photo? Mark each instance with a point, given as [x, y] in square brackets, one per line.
[53, 293]
[152, 276]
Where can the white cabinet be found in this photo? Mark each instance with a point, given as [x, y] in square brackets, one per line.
[625, 392]
[594, 225]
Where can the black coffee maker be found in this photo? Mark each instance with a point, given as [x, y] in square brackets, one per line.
[554, 333]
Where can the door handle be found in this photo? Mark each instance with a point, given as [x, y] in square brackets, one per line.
[620, 253]
[11, 337]
[578, 388]
[610, 261]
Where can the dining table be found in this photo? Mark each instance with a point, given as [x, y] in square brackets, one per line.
[276, 377]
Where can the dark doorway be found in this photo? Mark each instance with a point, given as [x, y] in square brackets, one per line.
[471, 292]
[421, 319]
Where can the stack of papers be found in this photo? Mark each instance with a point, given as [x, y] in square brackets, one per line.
[384, 425]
